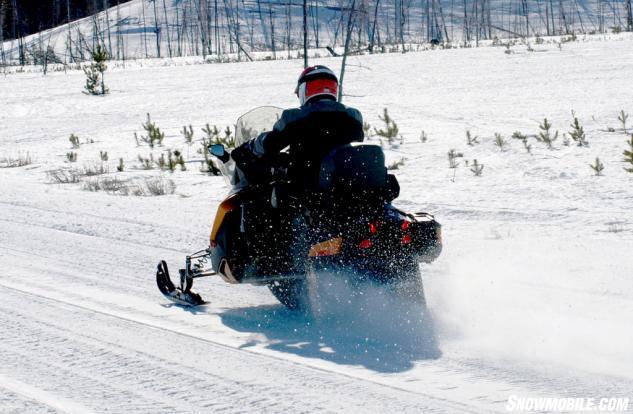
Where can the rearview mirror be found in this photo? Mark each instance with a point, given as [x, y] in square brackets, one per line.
[217, 150]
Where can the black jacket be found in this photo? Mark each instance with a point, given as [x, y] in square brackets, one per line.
[309, 132]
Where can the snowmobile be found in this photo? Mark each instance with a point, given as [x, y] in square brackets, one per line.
[342, 222]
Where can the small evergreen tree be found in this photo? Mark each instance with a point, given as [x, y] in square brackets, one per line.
[623, 117]
[121, 165]
[628, 155]
[524, 138]
[453, 155]
[477, 168]
[577, 133]
[95, 84]
[597, 167]
[188, 134]
[74, 141]
[390, 133]
[470, 139]
[545, 135]
[154, 134]
[500, 141]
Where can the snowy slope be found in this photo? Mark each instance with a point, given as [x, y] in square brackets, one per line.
[170, 28]
[532, 295]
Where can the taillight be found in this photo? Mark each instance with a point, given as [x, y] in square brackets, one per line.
[373, 228]
[405, 225]
[406, 239]
[365, 244]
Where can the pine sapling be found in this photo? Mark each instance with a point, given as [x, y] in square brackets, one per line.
[577, 133]
[390, 133]
[188, 134]
[154, 134]
[146, 163]
[477, 168]
[500, 141]
[95, 84]
[545, 135]
[71, 156]
[623, 117]
[470, 139]
[523, 138]
[628, 155]
[121, 165]
[597, 167]
[74, 141]
[452, 161]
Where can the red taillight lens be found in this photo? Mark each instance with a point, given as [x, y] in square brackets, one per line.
[406, 239]
[373, 228]
[365, 244]
[405, 225]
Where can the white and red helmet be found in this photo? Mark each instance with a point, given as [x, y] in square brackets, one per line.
[316, 81]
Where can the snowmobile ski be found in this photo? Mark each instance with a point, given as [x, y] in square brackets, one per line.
[181, 295]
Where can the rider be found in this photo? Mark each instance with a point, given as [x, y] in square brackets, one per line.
[310, 132]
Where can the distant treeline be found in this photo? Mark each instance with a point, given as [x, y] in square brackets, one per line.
[23, 17]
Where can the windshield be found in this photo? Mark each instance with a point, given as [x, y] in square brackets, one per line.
[254, 122]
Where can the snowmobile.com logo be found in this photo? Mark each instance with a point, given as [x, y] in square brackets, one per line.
[522, 404]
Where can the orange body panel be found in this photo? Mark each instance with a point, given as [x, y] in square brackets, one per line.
[228, 205]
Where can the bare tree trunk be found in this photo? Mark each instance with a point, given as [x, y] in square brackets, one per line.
[373, 28]
[272, 30]
[466, 28]
[629, 16]
[156, 29]
[144, 27]
[167, 29]
[106, 6]
[305, 33]
[350, 25]
[2, 58]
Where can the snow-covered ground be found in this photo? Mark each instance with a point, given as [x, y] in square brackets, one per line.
[531, 297]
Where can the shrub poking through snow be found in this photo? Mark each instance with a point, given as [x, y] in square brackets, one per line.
[477, 168]
[121, 165]
[74, 141]
[155, 186]
[423, 137]
[524, 138]
[628, 155]
[20, 161]
[470, 139]
[63, 176]
[95, 84]
[597, 167]
[545, 135]
[71, 156]
[623, 117]
[390, 132]
[154, 135]
[453, 155]
[213, 137]
[103, 155]
[577, 133]
[188, 134]
[146, 163]
[367, 130]
[94, 169]
[500, 141]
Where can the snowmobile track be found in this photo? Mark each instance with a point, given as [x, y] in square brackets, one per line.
[405, 400]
